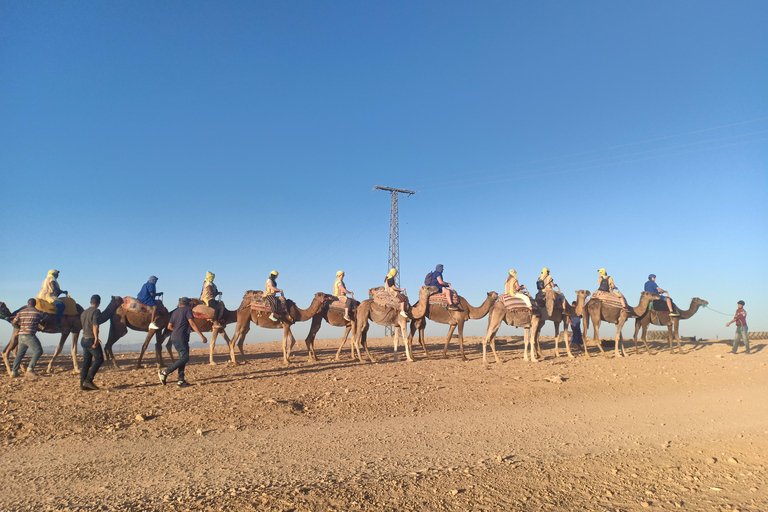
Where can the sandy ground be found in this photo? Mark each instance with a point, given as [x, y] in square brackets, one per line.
[687, 432]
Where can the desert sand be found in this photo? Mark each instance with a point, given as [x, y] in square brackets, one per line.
[644, 432]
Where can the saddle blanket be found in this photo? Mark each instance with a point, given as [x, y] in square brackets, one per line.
[542, 301]
[609, 298]
[70, 306]
[438, 299]
[200, 310]
[259, 303]
[338, 305]
[660, 306]
[382, 298]
[511, 302]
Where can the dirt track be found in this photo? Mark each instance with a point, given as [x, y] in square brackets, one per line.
[687, 432]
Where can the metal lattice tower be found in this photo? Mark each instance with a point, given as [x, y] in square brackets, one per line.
[394, 239]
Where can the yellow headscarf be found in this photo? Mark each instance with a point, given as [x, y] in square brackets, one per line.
[339, 273]
[513, 274]
[274, 273]
[602, 272]
[545, 271]
[209, 276]
[392, 273]
[52, 272]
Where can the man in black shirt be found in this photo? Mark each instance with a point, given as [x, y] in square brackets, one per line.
[180, 323]
[93, 356]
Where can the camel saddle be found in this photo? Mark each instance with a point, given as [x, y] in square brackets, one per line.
[512, 303]
[131, 304]
[438, 299]
[259, 303]
[338, 304]
[541, 300]
[46, 307]
[382, 298]
[609, 298]
[660, 306]
[200, 310]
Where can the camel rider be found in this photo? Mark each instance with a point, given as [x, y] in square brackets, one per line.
[605, 284]
[546, 282]
[208, 296]
[147, 296]
[340, 292]
[50, 292]
[652, 287]
[442, 286]
[270, 291]
[394, 291]
[515, 289]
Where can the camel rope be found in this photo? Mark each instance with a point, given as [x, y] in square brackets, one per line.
[716, 311]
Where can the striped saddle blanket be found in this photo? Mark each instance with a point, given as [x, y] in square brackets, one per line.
[382, 298]
[70, 306]
[338, 305]
[259, 303]
[609, 298]
[438, 299]
[131, 304]
[511, 302]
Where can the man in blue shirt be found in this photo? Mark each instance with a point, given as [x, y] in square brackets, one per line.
[652, 287]
[442, 286]
[180, 325]
[147, 296]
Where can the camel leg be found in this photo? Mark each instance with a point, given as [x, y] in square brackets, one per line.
[239, 337]
[394, 341]
[75, 336]
[634, 336]
[461, 341]
[286, 348]
[557, 338]
[150, 333]
[677, 337]
[597, 338]
[407, 345]
[533, 345]
[12, 344]
[56, 352]
[214, 334]
[343, 342]
[451, 328]
[364, 341]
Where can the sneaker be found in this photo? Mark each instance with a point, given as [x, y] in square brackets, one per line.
[163, 377]
[273, 318]
[14, 375]
[346, 317]
[154, 326]
[90, 385]
[183, 384]
[404, 314]
[83, 388]
[453, 307]
[674, 314]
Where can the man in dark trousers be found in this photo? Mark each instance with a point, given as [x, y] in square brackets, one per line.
[742, 333]
[180, 325]
[93, 356]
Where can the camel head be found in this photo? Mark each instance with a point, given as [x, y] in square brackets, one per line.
[426, 291]
[5, 313]
[700, 302]
[494, 296]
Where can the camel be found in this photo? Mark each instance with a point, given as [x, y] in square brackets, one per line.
[333, 317]
[672, 323]
[246, 315]
[70, 324]
[559, 315]
[518, 318]
[368, 310]
[454, 318]
[597, 311]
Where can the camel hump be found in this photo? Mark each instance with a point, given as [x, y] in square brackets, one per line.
[512, 303]
[612, 299]
[374, 290]
[70, 306]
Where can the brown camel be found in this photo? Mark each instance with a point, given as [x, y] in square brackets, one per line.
[564, 316]
[333, 317]
[246, 315]
[137, 320]
[597, 311]
[368, 310]
[672, 323]
[70, 324]
[454, 318]
[521, 317]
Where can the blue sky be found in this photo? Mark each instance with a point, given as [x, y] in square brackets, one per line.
[171, 138]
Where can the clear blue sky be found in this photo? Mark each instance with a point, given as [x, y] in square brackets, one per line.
[171, 138]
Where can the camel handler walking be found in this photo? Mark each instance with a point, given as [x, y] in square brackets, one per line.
[208, 296]
[742, 333]
[442, 286]
[398, 293]
[50, 292]
[652, 287]
[514, 289]
[180, 324]
[605, 284]
[270, 294]
[93, 356]
[28, 320]
[340, 292]
[147, 296]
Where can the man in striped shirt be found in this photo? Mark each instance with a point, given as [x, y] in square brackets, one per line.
[27, 320]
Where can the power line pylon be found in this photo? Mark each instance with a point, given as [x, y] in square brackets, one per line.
[394, 239]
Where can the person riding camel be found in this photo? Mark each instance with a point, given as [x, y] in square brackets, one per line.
[50, 292]
[270, 291]
[394, 291]
[208, 296]
[147, 296]
[652, 287]
[442, 286]
[340, 292]
[544, 283]
[605, 284]
[515, 289]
